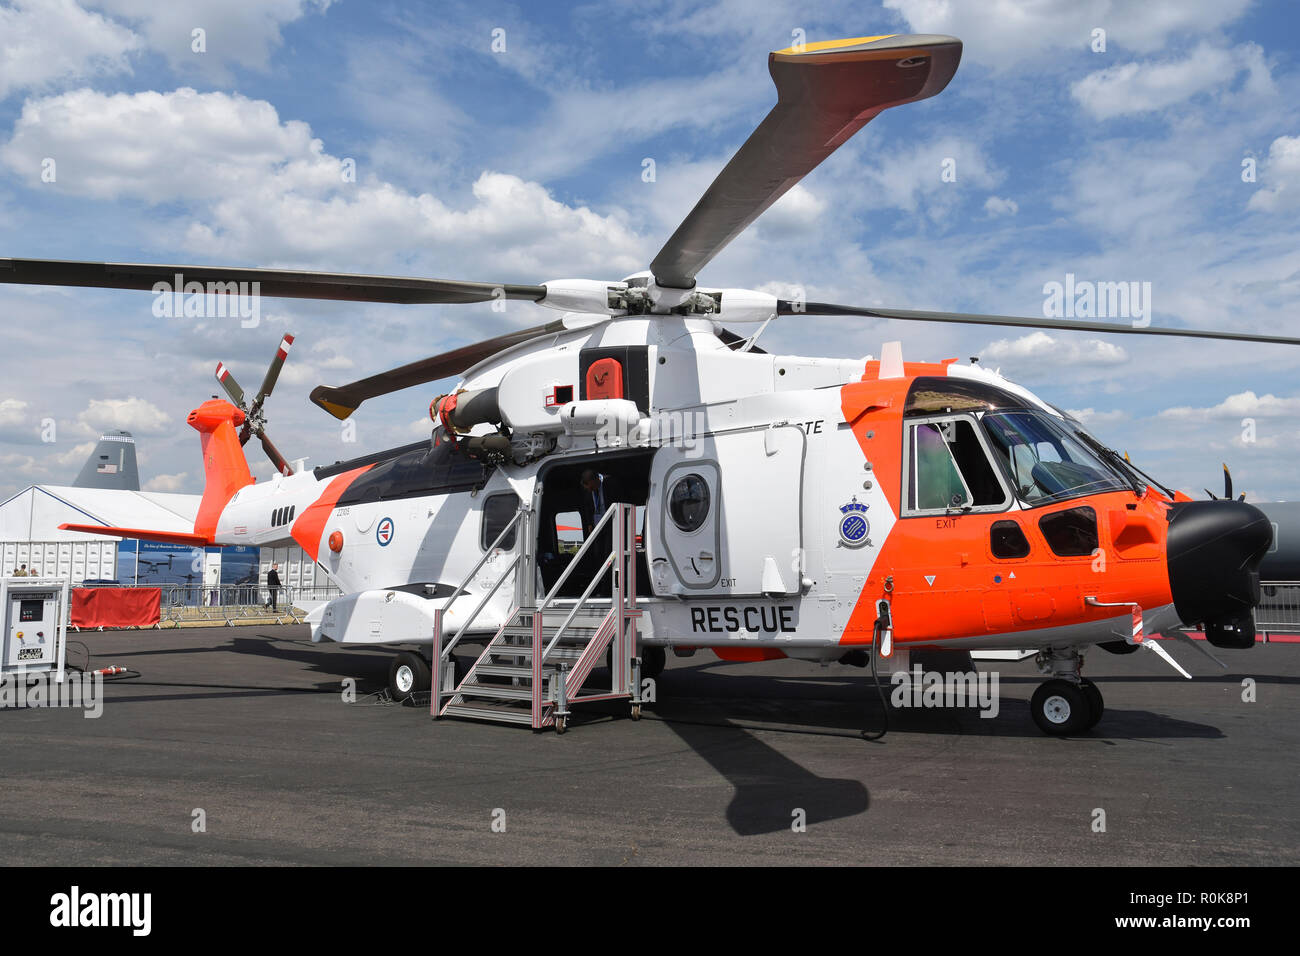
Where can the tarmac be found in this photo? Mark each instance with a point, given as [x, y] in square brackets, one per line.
[238, 746]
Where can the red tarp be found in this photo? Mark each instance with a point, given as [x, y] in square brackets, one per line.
[115, 607]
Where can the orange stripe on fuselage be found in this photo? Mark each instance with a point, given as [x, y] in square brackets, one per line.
[310, 526]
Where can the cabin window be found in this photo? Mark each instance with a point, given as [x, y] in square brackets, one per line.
[948, 469]
[1007, 540]
[497, 512]
[688, 502]
[1070, 534]
[422, 471]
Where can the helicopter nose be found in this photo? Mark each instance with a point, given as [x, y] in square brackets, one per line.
[1213, 550]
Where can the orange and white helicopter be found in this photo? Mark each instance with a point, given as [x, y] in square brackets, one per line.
[787, 506]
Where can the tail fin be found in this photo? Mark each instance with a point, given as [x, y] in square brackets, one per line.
[224, 465]
[225, 470]
[111, 464]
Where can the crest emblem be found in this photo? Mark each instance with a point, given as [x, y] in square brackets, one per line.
[853, 524]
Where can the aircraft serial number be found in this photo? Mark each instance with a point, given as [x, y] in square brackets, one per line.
[729, 620]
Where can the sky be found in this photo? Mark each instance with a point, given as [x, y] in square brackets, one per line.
[1151, 142]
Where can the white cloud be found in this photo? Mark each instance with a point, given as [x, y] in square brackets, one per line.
[73, 457]
[1092, 417]
[938, 171]
[167, 483]
[128, 414]
[161, 147]
[45, 41]
[797, 211]
[1004, 34]
[14, 412]
[1283, 177]
[1039, 348]
[1128, 88]
[997, 206]
[1241, 405]
[237, 31]
[265, 190]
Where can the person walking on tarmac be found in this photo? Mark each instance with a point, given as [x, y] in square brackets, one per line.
[273, 585]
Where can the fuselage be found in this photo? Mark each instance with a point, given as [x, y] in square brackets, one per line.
[814, 488]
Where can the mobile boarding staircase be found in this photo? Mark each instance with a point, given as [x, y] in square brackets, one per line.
[536, 665]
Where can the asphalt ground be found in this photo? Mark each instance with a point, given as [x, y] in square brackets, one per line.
[250, 727]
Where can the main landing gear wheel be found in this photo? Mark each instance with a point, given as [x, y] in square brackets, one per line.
[653, 661]
[408, 674]
[1061, 708]
[1095, 703]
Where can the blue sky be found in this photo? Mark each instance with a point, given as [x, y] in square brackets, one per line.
[525, 164]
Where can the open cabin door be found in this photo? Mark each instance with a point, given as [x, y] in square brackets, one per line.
[725, 515]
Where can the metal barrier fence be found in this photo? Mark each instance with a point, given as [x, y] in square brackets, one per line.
[229, 604]
[1279, 606]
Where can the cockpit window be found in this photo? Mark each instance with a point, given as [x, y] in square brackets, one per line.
[949, 469]
[1045, 462]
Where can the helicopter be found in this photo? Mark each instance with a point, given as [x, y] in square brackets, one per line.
[761, 506]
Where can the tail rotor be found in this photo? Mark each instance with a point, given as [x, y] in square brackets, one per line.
[254, 419]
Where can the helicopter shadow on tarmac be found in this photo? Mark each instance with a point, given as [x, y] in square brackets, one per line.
[843, 705]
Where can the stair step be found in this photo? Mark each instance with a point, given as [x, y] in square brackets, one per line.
[558, 653]
[489, 711]
[573, 631]
[509, 670]
[496, 691]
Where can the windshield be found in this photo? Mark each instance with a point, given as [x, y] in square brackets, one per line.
[1045, 461]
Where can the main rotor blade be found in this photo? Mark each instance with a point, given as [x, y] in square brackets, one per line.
[789, 307]
[826, 92]
[343, 400]
[220, 280]
[230, 385]
[273, 373]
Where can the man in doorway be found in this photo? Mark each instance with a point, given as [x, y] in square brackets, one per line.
[598, 492]
[273, 585]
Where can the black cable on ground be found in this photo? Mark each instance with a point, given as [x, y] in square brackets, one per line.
[884, 704]
[119, 673]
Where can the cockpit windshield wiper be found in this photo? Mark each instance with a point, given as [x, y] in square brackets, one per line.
[1126, 467]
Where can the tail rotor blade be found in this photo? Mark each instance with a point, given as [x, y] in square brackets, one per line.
[230, 385]
[273, 373]
[273, 453]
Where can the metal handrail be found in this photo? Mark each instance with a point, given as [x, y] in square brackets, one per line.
[446, 651]
[595, 579]
[591, 539]
[460, 589]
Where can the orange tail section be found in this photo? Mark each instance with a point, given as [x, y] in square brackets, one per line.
[225, 470]
[224, 466]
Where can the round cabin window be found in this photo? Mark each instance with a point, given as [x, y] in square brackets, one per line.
[688, 502]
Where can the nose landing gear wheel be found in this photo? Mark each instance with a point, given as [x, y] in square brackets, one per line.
[408, 674]
[1060, 708]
